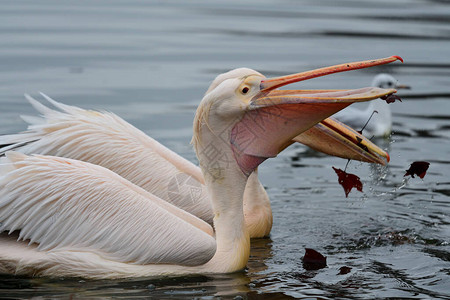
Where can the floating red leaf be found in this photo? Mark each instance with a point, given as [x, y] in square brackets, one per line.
[418, 168]
[344, 270]
[313, 260]
[348, 181]
[391, 98]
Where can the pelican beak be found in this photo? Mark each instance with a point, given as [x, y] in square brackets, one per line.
[337, 139]
[274, 117]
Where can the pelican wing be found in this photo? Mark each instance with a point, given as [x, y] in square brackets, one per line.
[107, 140]
[64, 204]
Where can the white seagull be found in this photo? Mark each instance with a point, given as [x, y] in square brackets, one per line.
[380, 123]
[71, 218]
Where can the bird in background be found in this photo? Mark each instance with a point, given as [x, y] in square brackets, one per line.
[376, 119]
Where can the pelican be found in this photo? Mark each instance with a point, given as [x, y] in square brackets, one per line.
[107, 140]
[83, 220]
[380, 124]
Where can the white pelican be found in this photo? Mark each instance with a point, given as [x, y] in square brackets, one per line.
[380, 124]
[84, 220]
[107, 140]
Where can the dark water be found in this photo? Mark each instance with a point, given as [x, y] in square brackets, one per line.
[151, 63]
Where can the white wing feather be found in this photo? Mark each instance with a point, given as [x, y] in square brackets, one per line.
[107, 140]
[60, 203]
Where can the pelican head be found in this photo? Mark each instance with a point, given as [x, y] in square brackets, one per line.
[245, 118]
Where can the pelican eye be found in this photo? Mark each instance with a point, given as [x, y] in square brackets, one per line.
[245, 90]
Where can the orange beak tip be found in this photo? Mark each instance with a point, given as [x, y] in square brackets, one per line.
[388, 158]
[398, 57]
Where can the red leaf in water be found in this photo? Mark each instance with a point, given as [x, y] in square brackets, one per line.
[391, 98]
[344, 270]
[313, 260]
[419, 168]
[348, 181]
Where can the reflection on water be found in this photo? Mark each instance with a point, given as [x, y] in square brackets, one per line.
[151, 63]
[240, 283]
